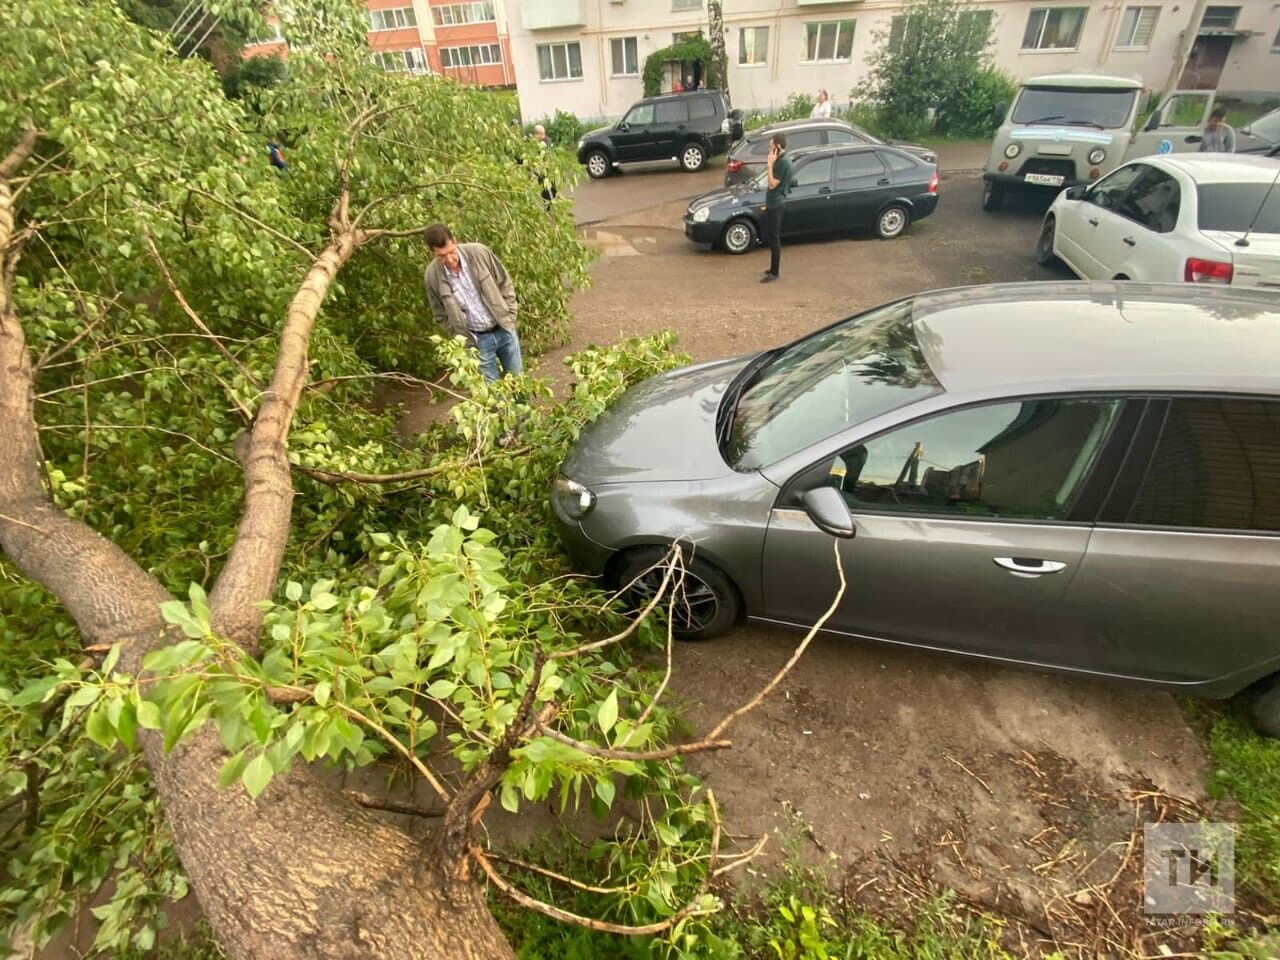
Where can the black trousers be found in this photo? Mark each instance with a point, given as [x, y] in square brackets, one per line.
[773, 229]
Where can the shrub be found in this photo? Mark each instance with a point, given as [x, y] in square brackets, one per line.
[968, 108]
[563, 129]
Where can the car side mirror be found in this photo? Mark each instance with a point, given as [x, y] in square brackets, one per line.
[795, 182]
[1153, 122]
[997, 113]
[825, 506]
[624, 126]
[1246, 130]
[1077, 192]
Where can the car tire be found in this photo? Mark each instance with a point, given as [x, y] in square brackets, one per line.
[1044, 246]
[892, 222]
[1264, 706]
[598, 165]
[739, 236]
[992, 196]
[693, 157]
[710, 606]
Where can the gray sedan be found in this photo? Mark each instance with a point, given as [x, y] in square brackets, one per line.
[1077, 477]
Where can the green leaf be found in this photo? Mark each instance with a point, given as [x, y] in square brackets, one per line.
[98, 728]
[605, 790]
[321, 692]
[257, 775]
[608, 714]
[83, 697]
[148, 715]
[293, 591]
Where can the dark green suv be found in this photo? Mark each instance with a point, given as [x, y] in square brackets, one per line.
[688, 128]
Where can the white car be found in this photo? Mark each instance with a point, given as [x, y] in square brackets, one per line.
[1194, 218]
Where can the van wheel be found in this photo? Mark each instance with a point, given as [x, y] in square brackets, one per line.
[707, 605]
[992, 196]
[739, 236]
[693, 158]
[597, 165]
[1264, 706]
[891, 222]
[1044, 246]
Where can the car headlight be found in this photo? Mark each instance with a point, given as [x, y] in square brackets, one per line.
[1012, 150]
[701, 215]
[573, 499]
[1096, 156]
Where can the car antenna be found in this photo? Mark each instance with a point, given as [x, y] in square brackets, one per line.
[1244, 241]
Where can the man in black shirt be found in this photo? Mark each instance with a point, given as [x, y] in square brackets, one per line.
[778, 175]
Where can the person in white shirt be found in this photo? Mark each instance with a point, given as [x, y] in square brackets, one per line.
[822, 109]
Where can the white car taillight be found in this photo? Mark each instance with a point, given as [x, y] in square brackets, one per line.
[1206, 271]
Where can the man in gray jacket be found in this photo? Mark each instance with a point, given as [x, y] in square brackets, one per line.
[472, 296]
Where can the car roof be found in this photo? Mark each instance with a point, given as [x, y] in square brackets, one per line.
[1068, 336]
[1220, 167]
[782, 126]
[833, 148]
[1092, 81]
[676, 95]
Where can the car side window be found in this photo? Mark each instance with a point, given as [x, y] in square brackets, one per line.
[639, 116]
[760, 148]
[1153, 201]
[1110, 190]
[852, 166]
[1022, 460]
[701, 107]
[843, 137]
[672, 111]
[804, 138]
[816, 172]
[1216, 465]
[897, 162]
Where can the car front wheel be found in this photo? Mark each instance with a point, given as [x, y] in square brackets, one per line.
[693, 158]
[705, 603]
[891, 222]
[1264, 706]
[739, 236]
[597, 165]
[1044, 246]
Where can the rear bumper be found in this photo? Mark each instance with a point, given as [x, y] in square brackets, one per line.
[1015, 181]
[923, 205]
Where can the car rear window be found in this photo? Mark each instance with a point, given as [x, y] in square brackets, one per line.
[1234, 206]
[897, 161]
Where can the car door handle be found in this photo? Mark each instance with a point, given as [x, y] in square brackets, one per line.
[825, 190]
[1130, 241]
[1093, 222]
[1194, 138]
[883, 182]
[1028, 566]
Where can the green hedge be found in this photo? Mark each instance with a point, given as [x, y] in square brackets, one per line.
[695, 48]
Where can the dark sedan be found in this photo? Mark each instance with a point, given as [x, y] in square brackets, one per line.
[833, 189]
[750, 154]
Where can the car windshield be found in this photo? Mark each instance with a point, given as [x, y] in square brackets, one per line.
[1234, 206]
[867, 365]
[1103, 108]
[1267, 127]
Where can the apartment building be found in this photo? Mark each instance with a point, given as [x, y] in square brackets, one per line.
[586, 56]
[464, 40]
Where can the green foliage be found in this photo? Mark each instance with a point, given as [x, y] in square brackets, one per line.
[1247, 768]
[695, 48]
[797, 107]
[563, 130]
[968, 109]
[253, 74]
[932, 63]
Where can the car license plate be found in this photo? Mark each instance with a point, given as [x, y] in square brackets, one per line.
[1045, 179]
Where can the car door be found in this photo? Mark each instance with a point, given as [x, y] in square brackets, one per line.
[670, 127]
[970, 524]
[1148, 248]
[808, 206]
[1094, 235]
[1179, 579]
[633, 135]
[1177, 126]
[862, 183]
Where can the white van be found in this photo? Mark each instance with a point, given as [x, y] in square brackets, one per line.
[1066, 129]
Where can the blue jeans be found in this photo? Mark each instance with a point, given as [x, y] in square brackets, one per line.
[498, 346]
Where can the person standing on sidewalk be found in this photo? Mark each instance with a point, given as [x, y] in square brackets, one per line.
[778, 175]
[471, 295]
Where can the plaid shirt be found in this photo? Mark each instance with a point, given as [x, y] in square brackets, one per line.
[479, 319]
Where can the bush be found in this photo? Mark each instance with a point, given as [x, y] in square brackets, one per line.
[563, 130]
[968, 109]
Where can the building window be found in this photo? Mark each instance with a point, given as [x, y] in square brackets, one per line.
[1054, 28]
[398, 61]
[1136, 28]
[686, 35]
[477, 55]
[625, 56]
[753, 45]
[686, 4]
[453, 14]
[1219, 18]
[560, 61]
[396, 18]
[828, 42]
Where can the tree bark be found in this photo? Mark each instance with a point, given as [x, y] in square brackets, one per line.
[301, 872]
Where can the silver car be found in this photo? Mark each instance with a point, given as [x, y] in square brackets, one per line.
[1068, 476]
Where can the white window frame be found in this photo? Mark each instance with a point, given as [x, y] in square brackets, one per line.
[1048, 12]
[550, 48]
[759, 48]
[1127, 43]
[410, 60]
[628, 45]
[476, 55]
[1235, 16]
[835, 46]
[457, 14]
[391, 18]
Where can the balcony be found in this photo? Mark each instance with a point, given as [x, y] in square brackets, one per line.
[550, 14]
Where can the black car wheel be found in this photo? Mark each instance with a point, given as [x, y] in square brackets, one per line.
[693, 158]
[992, 196]
[1044, 246]
[1264, 706]
[739, 236]
[892, 221]
[706, 605]
[597, 165]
